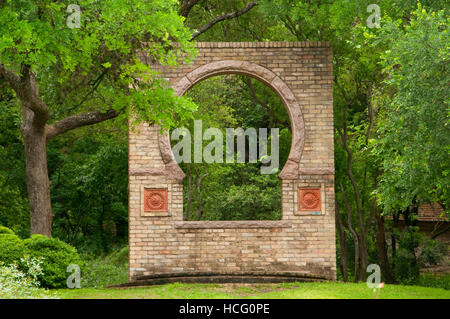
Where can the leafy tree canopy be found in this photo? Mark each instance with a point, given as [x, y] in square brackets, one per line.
[414, 135]
[96, 65]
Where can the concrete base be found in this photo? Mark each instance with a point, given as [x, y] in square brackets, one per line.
[219, 278]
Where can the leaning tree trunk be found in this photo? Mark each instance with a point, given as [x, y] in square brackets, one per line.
[38, 184]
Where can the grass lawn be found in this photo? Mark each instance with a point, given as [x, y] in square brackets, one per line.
[323, 290]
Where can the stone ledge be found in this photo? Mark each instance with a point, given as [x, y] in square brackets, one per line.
[213, 280]
[147, 172]
[221, 277]
[268, 44]
[256, 273]
[171, 171]
[233, 224]
[316, 171]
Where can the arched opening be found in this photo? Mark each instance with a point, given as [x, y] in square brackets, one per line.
[290, 170]
[272, 81]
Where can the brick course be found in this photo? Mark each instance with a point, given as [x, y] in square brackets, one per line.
[304, 242]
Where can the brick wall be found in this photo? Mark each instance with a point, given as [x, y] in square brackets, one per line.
[304, 240]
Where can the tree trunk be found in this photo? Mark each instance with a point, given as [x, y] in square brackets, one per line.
[352, 233]
[363, 256]
[35, 134]
[342, 244]
[199, 191]
[101, 228]
[38, 184]
[361, 275]
[382, 250]
[187, 212]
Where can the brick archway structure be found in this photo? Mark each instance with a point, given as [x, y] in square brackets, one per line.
[303, 242]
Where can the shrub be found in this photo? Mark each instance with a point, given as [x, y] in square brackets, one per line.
[11, 248]
[406, 266]
[5, 230]
[432, 252]
[15, 283]
[56, 254]
[415, 251]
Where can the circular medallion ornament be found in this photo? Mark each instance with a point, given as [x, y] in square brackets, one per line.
[310, 200]
[155, 201]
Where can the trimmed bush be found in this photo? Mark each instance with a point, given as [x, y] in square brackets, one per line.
[11, 248]
[57, 256]
[5, 230]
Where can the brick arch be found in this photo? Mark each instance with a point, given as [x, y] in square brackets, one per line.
[290, 169]
[303, 241]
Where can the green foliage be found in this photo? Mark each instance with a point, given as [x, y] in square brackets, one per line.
[18, 284]
[53, 254]
[89, 188]
[5, 230]
[406, 266]
[102, 271]
[414, 252]
[13, 202]
[97, 65]
[13, 211]
[240, 192]
[436, 281]
[250, 26]
[237, 191]
[414, 131]
[11, 247]
[432, 252]
[13, 208]
[57, 256]
[119, 256]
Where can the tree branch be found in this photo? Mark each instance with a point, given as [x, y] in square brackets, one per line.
[249, 84]
[186, 7]
[344, 137]
[79, 120]
[443, 231]
[369, 112]
[227, 16]
[27, 91]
